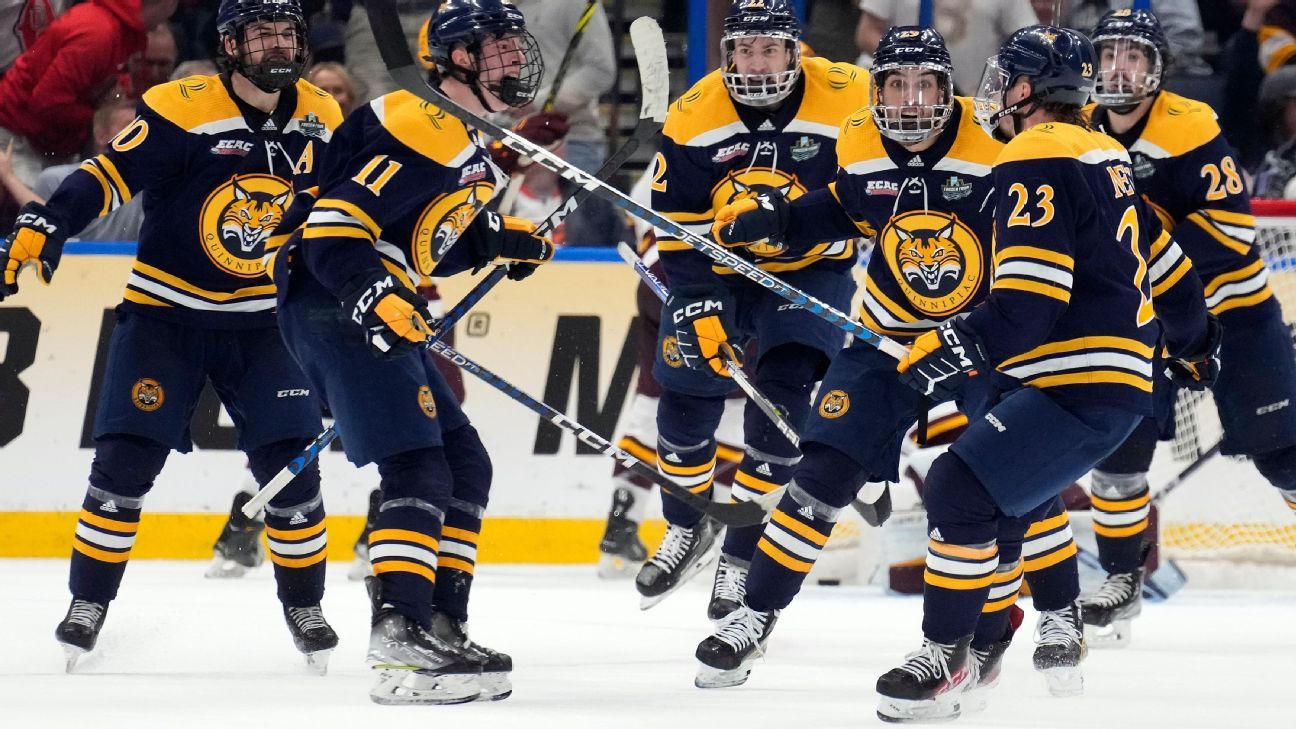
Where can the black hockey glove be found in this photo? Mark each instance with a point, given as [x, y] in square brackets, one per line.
[703, 322]
[756, 221]
[395, 320]
[505, 238]
[942, 359]
[877, 510]
[1199, 371]
[37, 238]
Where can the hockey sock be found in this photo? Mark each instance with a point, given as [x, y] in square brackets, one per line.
[1049, 557]
[1120, 520]
[759, 474]
[686, 449]
[962, 551]
[473, 473]
[404, 543]
[993, 624]
[295, 530]
[122, 473]
[788, 547]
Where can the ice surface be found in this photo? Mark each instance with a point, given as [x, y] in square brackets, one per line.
[182, 651]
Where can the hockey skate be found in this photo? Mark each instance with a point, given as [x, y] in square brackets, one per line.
[621, 553]
[987, 665]
[927, 687]
[79, 630]
[728, 654]
[415, 667]
[238, 548]
[360, 566]
[496, 666]
[728, 589]
[683, 553]
[312, 635]
[1060, 649]
[1109, 612]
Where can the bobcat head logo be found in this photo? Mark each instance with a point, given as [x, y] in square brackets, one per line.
[834, 404]
[251, 217]
[443, 221]
[927, 257]
[147, 394]
[454, 224]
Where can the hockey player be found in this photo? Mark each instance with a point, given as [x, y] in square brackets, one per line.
[1187, 172]
[914, 175]
[400, 200]
[766, 120]
[218, 158]
[1063, 343]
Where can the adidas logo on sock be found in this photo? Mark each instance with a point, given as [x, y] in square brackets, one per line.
[935, 534]
[765, 126]
[764, 469]
[298, 518]
[672, 457]
[806, 512]
[109, 506]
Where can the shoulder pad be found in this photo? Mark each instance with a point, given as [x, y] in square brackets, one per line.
[1176, 126]
[1062, 141]
[860, 142]
[311, 99]
[423, 127]
[195, 104]
[833, 91]
[972, 144]
[703, 115]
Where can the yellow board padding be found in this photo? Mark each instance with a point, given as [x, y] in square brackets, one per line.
[191, 536]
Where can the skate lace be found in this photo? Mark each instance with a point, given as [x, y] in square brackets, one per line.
[307, 618]
[742, 628]
[930, 661]
[674, 546]
[730, 582]
[1115, 589]
[85, 613]
[1057, 628]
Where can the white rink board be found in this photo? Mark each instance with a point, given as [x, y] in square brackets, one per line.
[45, 468]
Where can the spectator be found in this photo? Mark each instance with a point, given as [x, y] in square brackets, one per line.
[973, 30]
[154, 65]
[1243, 74]
[534, 191]
[25, 20]
[337, 81]
[1277, 121]
[47, 99]
[203, 67]
[1181, 20]
[1277, 33]
[122, 223]
[363, 59]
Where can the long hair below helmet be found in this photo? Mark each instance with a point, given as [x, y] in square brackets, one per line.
[263, 53]
[761, 19]
[503, 58]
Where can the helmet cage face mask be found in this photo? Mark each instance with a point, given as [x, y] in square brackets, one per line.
[508, 66]
[282, 55]
[760, 89]
[1119, 86]
[922, 112]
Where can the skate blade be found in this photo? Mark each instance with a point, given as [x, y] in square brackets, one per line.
[1114, 635]
[713, 678]
[616, 567]
[976, 699]
[647, 601]
[403, 686]
[903, 711]
[495, 686]
[317, 661]
[1064, 681]
[71, 654]
[226, 569]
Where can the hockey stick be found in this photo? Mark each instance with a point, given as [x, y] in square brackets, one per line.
[570, 53]
[650, 54]
[733, 514]
[735, 370]
[400, 64]
[1187, 471]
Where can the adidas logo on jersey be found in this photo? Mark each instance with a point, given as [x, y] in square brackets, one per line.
[806, 512]
[109, 506]
[936, 535]
[765, 126]
[269, 126]
[764, 469]
[916, 162]
[297, 518]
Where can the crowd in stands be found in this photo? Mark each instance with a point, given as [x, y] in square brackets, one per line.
[70, 72]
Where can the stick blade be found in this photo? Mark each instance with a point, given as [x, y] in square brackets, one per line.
[654, 73]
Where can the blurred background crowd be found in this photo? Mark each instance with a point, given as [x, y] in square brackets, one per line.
[71, 73]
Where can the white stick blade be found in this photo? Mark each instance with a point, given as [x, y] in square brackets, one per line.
[654, 74]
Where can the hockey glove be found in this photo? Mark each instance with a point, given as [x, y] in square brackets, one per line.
[1199, 371]
[546, 129]
[756, 221]
[396, 320]
[37, 238]
[702, 326]
[941, 360]
[511, 240]
[873, 503]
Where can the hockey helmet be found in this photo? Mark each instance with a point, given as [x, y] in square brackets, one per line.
[272, 61]
[911, 92]
[504, 58]
[1124, 40]
[761, 19]
[1058, 63]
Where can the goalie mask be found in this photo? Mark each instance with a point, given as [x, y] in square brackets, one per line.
[502, 57]
[762, 51]
[268, 40]
[1132, 56]
[911, 93]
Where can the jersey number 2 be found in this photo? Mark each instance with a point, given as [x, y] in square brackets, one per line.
[1129, 223]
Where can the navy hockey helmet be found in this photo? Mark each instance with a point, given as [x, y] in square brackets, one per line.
[1132, 57]
[503, 58]
[1057, 62]
[271, 57]
[761, 19]
[911, 88]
